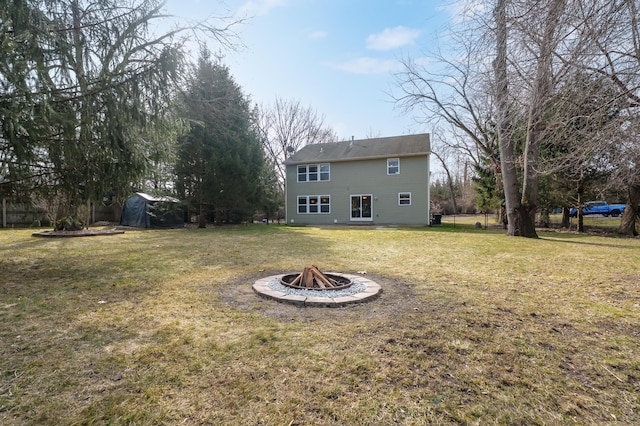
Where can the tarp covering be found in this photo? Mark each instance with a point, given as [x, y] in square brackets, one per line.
[146, 211]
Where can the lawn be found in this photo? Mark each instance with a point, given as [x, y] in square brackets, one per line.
[473, 327]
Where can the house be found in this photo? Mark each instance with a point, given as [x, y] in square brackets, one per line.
[381, 181]
[146, 211]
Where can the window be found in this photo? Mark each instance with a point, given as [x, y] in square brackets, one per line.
[302, 173]
[393, 166]
[325, 205]
[404, 198]
[314, 204]
[324, 172]
[314, 173]
[302, 204]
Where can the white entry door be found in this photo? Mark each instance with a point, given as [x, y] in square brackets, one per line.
[362, 207]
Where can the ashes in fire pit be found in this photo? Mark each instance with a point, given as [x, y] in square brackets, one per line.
[312, 279]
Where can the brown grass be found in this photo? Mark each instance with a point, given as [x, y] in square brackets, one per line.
[161, 327]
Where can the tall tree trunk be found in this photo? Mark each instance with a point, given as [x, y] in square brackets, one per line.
[579, 215]
[202, 209]
[84, 135]
[535, 122]
[566, 223]
[545, 218]
[452, 190]
[505, 142]
[202, 215]
[631, 212]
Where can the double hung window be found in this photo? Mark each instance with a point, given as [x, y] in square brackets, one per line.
[393, 166]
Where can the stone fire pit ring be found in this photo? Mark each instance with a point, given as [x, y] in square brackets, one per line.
[361, 290]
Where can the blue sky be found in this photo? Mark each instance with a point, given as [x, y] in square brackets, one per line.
[335, 56]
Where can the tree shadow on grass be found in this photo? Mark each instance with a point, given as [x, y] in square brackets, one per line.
[566, 240]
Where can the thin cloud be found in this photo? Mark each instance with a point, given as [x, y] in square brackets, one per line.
[259, 7]
[368, 65]
[317, 35]
[392, 38]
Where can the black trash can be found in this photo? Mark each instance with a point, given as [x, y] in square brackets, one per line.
[436, 219]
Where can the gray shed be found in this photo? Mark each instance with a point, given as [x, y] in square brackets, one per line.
[146, 211]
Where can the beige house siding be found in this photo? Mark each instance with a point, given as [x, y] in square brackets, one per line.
[364, 177]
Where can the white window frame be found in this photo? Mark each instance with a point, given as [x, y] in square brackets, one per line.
[320, 172]
[401, 198]
[326, 204]
[304, 174]
[313, 204]
[312, 173]
[324, 170]
[391, 166]
[304, 204]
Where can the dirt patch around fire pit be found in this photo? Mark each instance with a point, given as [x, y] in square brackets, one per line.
[396, 298]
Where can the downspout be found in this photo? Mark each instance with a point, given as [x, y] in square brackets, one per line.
[286, 196]
[428, 190]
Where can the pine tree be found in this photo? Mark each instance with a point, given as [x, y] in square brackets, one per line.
[220, 161]
[86, 89]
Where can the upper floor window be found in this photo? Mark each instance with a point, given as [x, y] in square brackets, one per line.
[393, 166]
[324, 172]
[314, 172]
[302, 173]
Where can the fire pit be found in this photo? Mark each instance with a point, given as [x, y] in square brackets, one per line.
[312, 279]
[314, 288]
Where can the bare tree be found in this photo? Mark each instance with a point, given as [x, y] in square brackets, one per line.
[286, 126]
[537, 48]
[527, 39]
[442, 154]
[539, 97]
[598, 103]
[615, 35]
[504, 125]
[454, 102]
[626, 172]
[454, 97]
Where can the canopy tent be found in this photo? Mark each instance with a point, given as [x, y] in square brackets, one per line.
[146, 211]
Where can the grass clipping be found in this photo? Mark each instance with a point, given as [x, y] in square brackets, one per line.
[161, 327]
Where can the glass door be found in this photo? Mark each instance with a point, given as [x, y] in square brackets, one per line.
[362, 207]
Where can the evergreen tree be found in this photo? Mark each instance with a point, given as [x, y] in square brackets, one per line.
[23, 100]
[487, 188]
[85, 93]
[220, 161]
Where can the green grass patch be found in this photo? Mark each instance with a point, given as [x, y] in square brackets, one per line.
[472, 327]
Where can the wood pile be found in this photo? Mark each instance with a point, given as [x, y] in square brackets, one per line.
[311, 277]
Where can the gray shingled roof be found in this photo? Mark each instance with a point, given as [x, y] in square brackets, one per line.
[396, 146]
